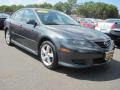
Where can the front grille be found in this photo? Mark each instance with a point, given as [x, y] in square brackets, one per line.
[81, 62]
[103, 44]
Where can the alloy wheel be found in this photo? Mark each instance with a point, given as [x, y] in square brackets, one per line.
[47, 55]
[7, 37]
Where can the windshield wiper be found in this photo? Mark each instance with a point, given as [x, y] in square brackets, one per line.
[52, 24]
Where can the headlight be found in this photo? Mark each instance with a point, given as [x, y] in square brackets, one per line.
[83, 44]
[80, 43]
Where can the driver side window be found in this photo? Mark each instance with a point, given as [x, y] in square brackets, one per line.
[18, 15]
[29, 15]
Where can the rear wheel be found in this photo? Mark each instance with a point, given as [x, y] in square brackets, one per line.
[48, 55]
[8, 37]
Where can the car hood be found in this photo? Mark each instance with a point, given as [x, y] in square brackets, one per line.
[74, 31]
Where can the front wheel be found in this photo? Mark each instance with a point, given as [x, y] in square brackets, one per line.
[48, 55]
[117, 42]
[8, 37]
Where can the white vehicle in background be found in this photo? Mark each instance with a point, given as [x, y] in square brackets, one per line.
[89, 22]
[110, 27]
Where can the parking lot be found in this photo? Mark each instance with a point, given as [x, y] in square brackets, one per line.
[20, 70]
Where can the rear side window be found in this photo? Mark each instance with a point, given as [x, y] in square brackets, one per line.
[18, 15]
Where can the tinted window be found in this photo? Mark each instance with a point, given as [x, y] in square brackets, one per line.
[29, 15]
[18, 15]
[55, 18]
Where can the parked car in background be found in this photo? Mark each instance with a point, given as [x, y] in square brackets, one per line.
[57, 39]
[87, 22]
[111, 27]
[3, 16]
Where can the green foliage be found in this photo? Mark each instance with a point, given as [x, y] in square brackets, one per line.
[59, 6]
[119, 16]
[10, 9]
[65, 7]
[97, 10]
[45, 5]
[13, 8]
[88, 9]
[70, 4]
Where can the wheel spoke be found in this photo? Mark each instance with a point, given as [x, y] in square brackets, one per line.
[50, 55]
[44, 58]
[7, 37]
[43, 51]
[48, 49]
[49, 60]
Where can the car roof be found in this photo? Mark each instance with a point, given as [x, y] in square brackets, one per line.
[113, 19]
[35, 9]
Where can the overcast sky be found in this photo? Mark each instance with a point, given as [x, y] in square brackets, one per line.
[25, 2]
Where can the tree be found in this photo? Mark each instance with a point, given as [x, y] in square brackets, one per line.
[13, 8]
[10, 9]
[45, 5]
[113, 11]
[70, 4]
[97, 10]
[119, 16]
[32, 6]
[59, 6]
[66, 6]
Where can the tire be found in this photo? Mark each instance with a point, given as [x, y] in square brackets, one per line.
[117, 43]
[8, 38]
[48, 55]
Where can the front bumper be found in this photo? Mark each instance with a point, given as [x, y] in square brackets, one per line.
[78, 59]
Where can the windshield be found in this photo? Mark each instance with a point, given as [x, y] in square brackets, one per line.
[55, 18]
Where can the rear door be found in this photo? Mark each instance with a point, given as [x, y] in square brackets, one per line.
[16, 26]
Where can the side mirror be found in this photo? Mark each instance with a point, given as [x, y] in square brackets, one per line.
[78, 21]
[32, 22]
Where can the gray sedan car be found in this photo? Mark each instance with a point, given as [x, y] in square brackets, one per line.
[57, 39]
